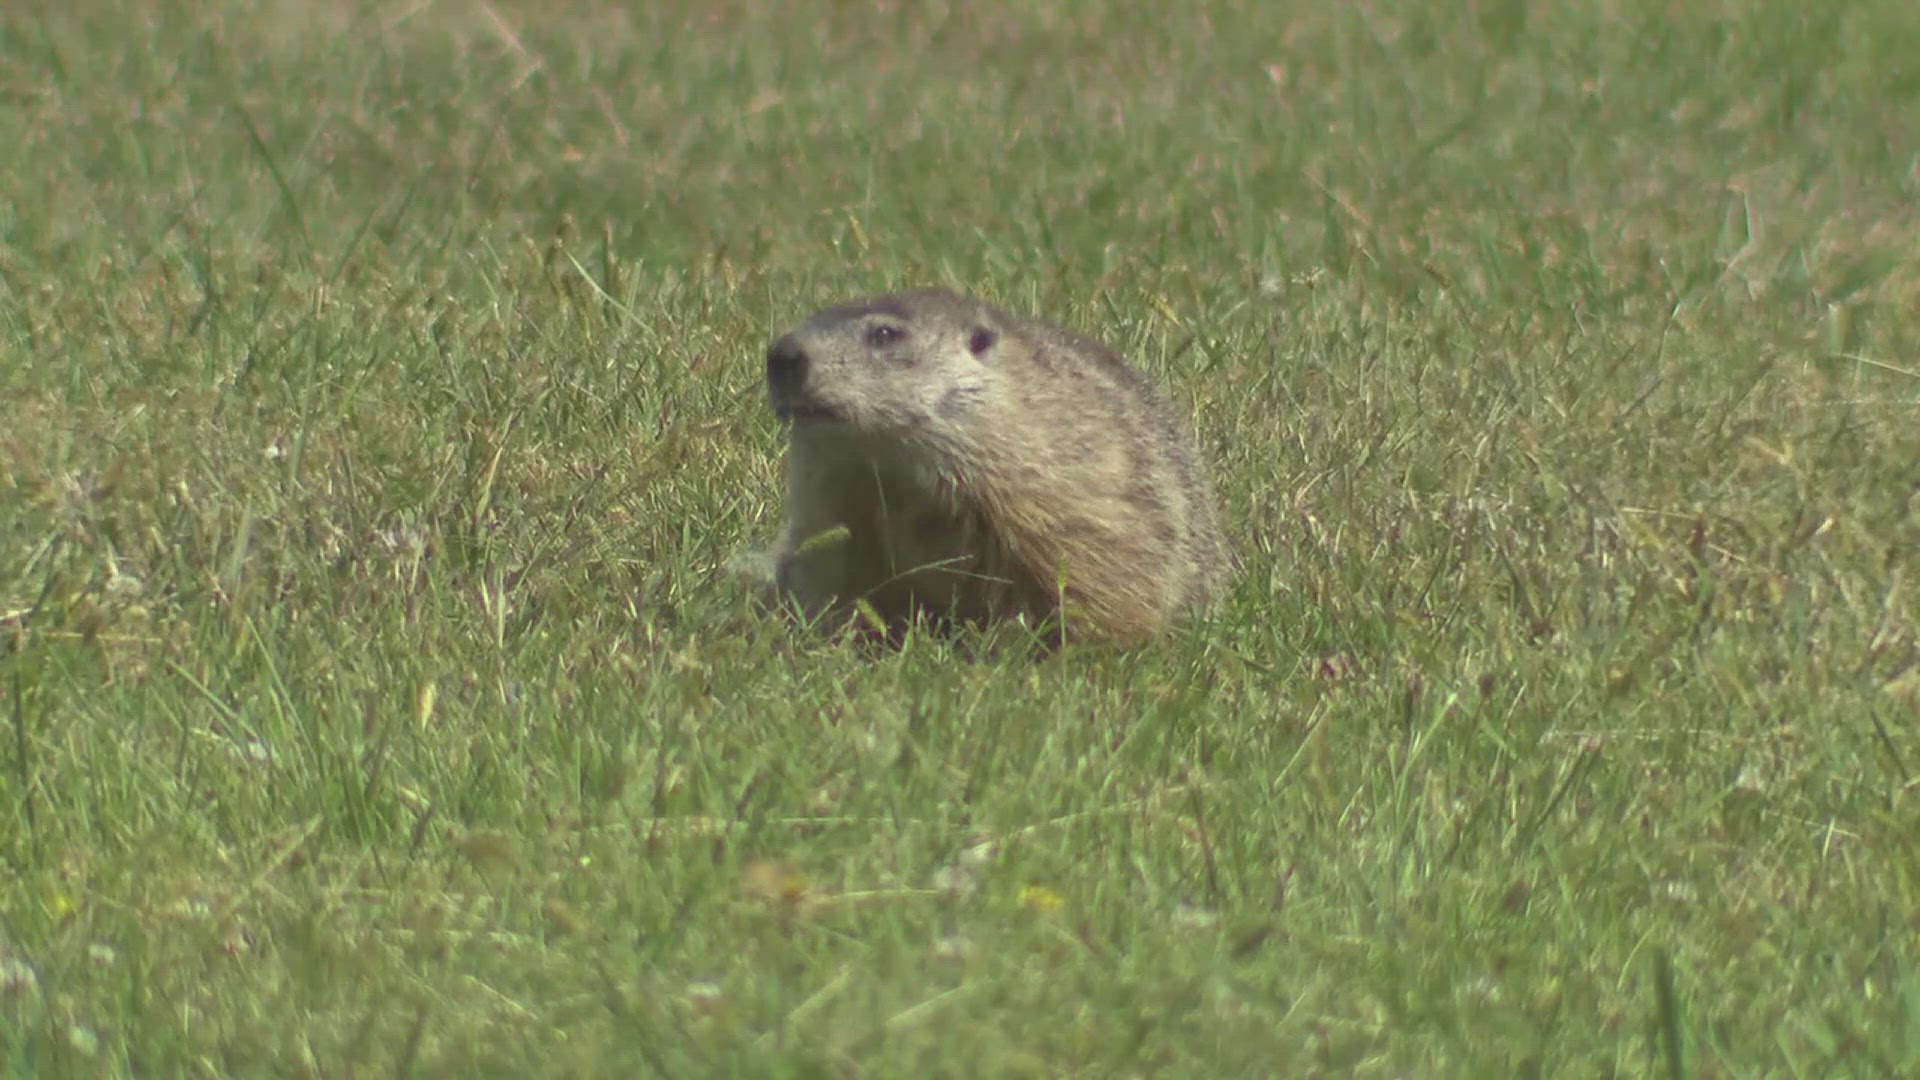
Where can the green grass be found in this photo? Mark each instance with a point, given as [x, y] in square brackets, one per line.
[379, 408]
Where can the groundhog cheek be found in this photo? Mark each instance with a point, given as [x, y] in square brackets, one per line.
[952, 403]
[959, 401]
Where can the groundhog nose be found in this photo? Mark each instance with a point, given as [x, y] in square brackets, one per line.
[786, 365]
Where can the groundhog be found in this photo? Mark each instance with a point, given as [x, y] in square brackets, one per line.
[950, 463]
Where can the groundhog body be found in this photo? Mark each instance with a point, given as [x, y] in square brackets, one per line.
[950, 462]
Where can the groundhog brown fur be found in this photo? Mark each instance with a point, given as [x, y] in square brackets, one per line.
[949, 462]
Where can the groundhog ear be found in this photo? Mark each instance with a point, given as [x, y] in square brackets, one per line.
[982, 340]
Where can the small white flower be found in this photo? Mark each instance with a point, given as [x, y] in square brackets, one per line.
[705, 996]
[955, 881]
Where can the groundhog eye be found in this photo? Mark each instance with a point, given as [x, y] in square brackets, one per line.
[883, 334]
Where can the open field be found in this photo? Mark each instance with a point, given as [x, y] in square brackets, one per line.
[379, 404]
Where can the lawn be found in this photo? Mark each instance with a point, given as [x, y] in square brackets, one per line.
[380, 409]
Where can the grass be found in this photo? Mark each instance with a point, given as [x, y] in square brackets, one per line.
[379, 407]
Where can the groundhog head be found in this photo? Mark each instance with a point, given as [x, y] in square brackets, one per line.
[892, 365]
